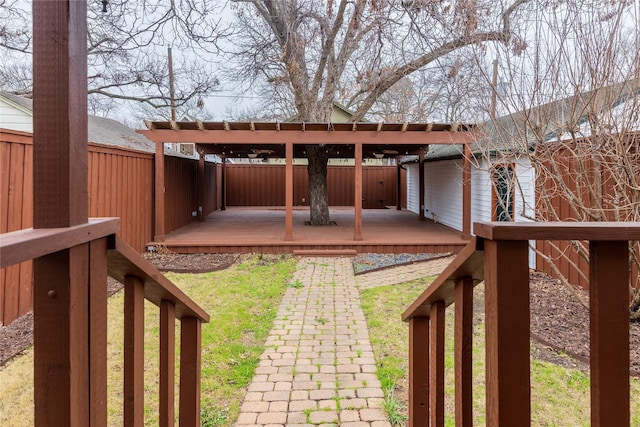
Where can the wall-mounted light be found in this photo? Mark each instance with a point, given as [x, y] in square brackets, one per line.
[378, 155]
[252, 155]
[104, 5]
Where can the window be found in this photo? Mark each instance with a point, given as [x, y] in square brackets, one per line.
[503, 199]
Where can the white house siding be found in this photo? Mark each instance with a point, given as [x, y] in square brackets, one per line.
[14, 118]
[413, 188]
[443, 192]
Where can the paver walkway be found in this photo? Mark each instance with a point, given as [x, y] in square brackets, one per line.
[318, 368]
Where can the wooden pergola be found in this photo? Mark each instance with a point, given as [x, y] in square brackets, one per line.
[288, 140]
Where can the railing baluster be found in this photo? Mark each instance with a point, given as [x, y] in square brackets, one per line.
[167, 363]
[436, 364]
[190, 344]
[506, 273]
[463, 351]
[419, 372]
[98, 332]
[133, 352]
[609, 324]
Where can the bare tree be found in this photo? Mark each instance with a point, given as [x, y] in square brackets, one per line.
[311, 52]
[573, 100]
[127, 51]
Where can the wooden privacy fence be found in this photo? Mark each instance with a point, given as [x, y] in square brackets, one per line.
[499, 256]
[84, 402]
[264, 185]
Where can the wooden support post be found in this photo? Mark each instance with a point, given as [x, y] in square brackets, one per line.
[159, 230]
[609, 328]
[421, 184]
[202, 190]
[98, 332]
[167, 363]
[466, 192]
[506, 274]
[463, 351]
[436, 364]
[357, 206]
[288, 221]
[223, 184]
[133, 352]
[61, 338]
[190, 344]
[419, 372]
[62, 393]
[398, 185]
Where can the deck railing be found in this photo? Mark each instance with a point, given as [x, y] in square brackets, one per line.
[499, 256]
[83, 401]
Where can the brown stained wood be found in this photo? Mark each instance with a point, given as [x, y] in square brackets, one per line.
[31, 243]
[357, 203]
[61, 338]
[133, 352]
[98, 332]
[506, 274]
[419, 372]
[60, 113]
[470, 262]
[288, 222]
[609, 333]
[436, 364]
[167, 363]
[159, 223]
[124, 261]
[190, 368]
[466, 192]
[463, 351]
[202, 189]
[599, 231]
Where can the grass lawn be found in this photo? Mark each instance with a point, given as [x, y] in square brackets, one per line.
[559, 396]
[242, 302]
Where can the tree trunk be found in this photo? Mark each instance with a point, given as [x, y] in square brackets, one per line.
[318, 196]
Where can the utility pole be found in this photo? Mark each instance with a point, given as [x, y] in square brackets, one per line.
[172, 93]
[494, 92]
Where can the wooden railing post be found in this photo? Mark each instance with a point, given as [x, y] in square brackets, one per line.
[436, 364]
[463, 351]
[167, 363]
[419, 372]
[609, 329]
[506, 273]
[133, 352]
[190, 367]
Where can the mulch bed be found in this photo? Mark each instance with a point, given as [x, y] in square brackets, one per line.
[559, 318]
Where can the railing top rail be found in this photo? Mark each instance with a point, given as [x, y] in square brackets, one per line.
[594, 231]
[23, 245]
[468, 263]
[125, 261]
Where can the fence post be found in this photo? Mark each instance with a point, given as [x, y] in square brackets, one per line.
[167, 362]
[436, 364]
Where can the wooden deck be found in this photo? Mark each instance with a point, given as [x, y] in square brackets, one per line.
[243, 230]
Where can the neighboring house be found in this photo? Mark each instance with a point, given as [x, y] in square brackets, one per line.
[16, 113]
[503, 180]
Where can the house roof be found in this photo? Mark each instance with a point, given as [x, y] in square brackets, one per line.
[102, 130]
[552, 121]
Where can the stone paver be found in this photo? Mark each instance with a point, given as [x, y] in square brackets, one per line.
[318, 367]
